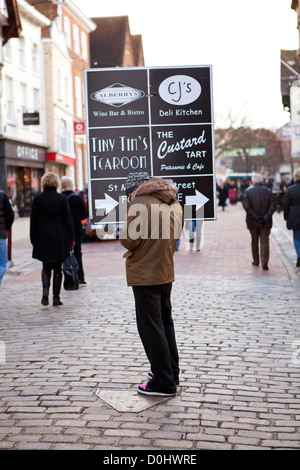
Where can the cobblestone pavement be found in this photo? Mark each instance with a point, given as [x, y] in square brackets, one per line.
[238, 336]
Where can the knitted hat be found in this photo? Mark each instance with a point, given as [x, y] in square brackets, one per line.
[134, 179]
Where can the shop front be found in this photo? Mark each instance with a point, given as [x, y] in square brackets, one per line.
[21, 168]
[61, 164]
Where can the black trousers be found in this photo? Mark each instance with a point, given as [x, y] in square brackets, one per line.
[156, 329]
[78, 256]
[56, 267]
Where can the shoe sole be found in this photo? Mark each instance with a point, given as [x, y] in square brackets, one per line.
[157, 394]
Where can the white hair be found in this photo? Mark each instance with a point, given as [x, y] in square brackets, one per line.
[297, 174]
[66, 184]
[257, 178]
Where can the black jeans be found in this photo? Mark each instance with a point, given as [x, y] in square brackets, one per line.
[78, 256]
[56, 267]
[156, 328]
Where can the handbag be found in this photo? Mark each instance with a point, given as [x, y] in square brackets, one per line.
[70, 270]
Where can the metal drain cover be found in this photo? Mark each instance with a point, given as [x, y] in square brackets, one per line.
[128, 400]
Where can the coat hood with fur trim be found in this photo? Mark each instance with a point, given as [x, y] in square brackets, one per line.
[163, 189]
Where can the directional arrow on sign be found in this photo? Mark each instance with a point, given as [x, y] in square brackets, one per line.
[108, 203]
[197, 200]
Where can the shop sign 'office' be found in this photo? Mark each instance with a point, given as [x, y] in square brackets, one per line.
[153, 119]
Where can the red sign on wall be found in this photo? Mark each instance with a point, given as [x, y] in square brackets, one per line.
[79, 128]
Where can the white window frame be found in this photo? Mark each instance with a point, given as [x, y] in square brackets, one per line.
[3, 8]
[9, 93]
[36, 106]
[84, 46]
[59, 90]
[7, 51]
[79, 163]
[67, 31]
[35, 55]
[78, 97]
[36, 99]
[67, 92]
[22, 55]
[76, 41]
[23, 94]
[63, 136]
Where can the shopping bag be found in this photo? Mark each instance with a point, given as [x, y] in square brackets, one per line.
[70, 270]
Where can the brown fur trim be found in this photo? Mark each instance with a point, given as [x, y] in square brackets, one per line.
[154, 185]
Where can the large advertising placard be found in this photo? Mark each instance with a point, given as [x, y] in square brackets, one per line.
[153, 119]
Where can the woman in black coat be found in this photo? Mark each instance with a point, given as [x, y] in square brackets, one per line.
[291, 212]
[79, 213]
[51, 234]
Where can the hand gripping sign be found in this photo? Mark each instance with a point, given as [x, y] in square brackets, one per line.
[153, 119]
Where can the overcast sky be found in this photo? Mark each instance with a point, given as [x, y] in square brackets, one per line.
[240, 39]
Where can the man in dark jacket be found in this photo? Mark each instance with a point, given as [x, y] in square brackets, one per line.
[260, 205]
[7, 216]
[153, 225]
[292, 212]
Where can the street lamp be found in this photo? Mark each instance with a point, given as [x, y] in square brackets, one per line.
[246, 155]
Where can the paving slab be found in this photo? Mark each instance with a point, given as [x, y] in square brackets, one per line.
[69, 374]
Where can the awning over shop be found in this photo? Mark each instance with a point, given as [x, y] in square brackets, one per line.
[60, 158]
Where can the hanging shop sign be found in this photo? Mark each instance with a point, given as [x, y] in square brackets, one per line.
[31, 119]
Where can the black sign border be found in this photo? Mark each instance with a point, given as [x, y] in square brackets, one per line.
[149, 125]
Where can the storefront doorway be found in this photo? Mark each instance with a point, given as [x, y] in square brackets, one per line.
[25, 184]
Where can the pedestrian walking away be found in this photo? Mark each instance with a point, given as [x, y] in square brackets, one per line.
[79, 213]
[259, 205]
[194, 227]
[51, 234]
[153, 225]
[7, 216]
[223, 195]
[292, 212]
[244, 185]
[232, 193]
[283, 187]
